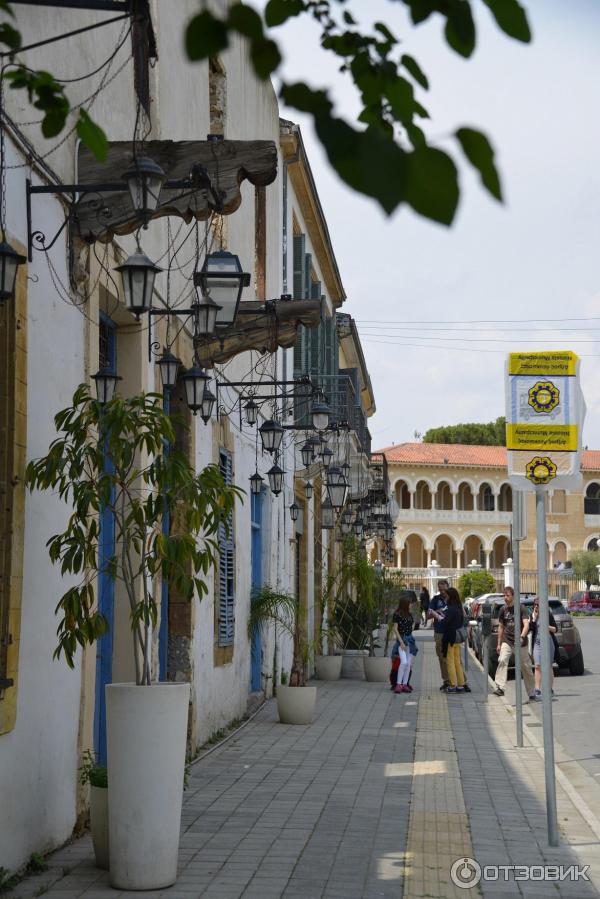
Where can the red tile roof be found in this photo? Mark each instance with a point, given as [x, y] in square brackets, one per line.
[464, 455]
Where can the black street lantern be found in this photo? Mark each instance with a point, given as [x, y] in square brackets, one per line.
[326, 456]
[347, 515]
[308, 489]
[346, 526]
[106, 384]
[222, 279]
[205, 316]
[208, 404]
[195, 380]
[271, 434]
[10, 261]
[337, 488]
[307, 454]
[144, 181]
[275, 475]
[327, 515]
[320, 416]
[138, 274]
[388, 533]
[169, 366]
[294, 511]
[251, 412]
[358, 528]
[256, 483]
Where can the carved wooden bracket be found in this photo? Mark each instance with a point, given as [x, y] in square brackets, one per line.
[102, 215]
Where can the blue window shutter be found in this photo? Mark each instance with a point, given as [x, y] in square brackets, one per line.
[226, 538]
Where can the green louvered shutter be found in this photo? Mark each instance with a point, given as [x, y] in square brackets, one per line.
[299, 291]
[226, 541]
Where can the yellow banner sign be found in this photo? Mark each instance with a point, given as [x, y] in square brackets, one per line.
[562, 438]
[560, 363]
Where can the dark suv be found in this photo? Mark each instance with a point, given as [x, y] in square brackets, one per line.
[585, 601]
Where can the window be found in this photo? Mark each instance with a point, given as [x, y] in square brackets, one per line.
[226, 586]
[591, 502]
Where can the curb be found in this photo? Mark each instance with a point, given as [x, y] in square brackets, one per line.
[572, 792]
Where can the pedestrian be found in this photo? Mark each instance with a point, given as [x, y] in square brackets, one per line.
[451, 620]
[536, 645]
[505, 645]
[424, 599]
[402, 629]
[438, 605]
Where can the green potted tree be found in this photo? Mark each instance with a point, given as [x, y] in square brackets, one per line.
[295, 700]
[110, 457]
[90, 772]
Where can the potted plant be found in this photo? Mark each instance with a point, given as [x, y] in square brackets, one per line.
[109, 457]
[90, 772]
[352, 597]
[295, 700]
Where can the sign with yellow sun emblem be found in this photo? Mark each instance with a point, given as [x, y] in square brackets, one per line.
[544, 396]
[540, 470]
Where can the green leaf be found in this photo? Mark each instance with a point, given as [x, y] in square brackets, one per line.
[511, 18]
[54, 121]
[480, 154]
[92, 136]
[432, 184]
[279, 11]
[421, 9]
[413, 67]
[10, 36]
[245, 20]
[265, 56]
[205, 36]
[460, 28]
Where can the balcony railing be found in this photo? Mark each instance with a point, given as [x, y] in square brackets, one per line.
[453, 516]
[343, 402]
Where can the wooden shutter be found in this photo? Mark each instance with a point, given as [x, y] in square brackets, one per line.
[226, 539]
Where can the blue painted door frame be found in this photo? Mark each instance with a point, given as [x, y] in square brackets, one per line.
[105, 584]
[256, 526]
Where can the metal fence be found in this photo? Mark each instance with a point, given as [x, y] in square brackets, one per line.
[561, 584]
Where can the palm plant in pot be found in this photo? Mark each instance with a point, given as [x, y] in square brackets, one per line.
[295, 700]
[109, 458]
[354, 607]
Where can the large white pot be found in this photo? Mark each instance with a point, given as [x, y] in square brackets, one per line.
[147, 729]
[328, 667]
[296, 704]
[352, 664]
[99, 824]
[377, 668]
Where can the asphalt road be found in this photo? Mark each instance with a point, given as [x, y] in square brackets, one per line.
[576, 713]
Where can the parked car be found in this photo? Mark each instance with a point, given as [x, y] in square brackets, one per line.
[567, 635]
[474, 612]
[585, 601]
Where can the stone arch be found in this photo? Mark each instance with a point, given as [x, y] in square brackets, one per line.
[485, 497]
[465, 496]
[505, 498]
[423, 494]
[443, 496]
[560, 551]
[444, 551]
[474, 549]
[591, 502]
[414, 554]
[402, 494]
[592, 543]
[500, 551]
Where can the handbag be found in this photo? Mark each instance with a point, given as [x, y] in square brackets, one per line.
[461, 634]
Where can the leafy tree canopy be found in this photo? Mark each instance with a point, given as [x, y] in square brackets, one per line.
[476, 583]
[491, 433]
[584, 565]
[389, 156]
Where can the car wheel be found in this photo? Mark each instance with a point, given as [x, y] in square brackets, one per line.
[576, 665]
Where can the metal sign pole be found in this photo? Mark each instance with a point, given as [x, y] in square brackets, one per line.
[518, 681]
[546, 664]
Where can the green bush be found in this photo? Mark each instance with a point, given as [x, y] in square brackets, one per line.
[475, 583]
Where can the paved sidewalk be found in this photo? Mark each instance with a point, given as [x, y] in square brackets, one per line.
[375, 800]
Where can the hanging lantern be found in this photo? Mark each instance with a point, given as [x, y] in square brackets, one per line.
[205, 317]
[345, 527]
[307, 454]
[357, 527]
[138, 274]
[271, 434]
[256, 483]
[195, 380]
[308, 489]
[320, 416]
[294, 511]
[106, 384]
[388, 533]
[327, 515]
[169, 366]
[251, 412]
[326, 456]
[347, 515]
[221, 277]
[337, 488]
[144, 180]
[208, 404]
[275, 475]
[10, 261]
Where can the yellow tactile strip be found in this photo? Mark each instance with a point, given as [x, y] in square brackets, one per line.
[438, 827]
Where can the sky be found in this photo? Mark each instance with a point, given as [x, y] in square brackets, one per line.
[439, 308]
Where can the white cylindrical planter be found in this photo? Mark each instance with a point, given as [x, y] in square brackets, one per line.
[377, 668]
[147, 729]
[99, 824]
[352, 664]
[328, 667]
[296, 704]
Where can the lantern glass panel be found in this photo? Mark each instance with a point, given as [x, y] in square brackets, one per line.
[320, 416]
[307, 454]
[327, 515]
[208, 403]
[169, 366]
[271, 434]
[195, 382]
[308, 490]
[144, 181]
[205, 317]
[251, 412]
[106, 384]
[222, 278]
[275, 475]
[256, 483]
[294, 510]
